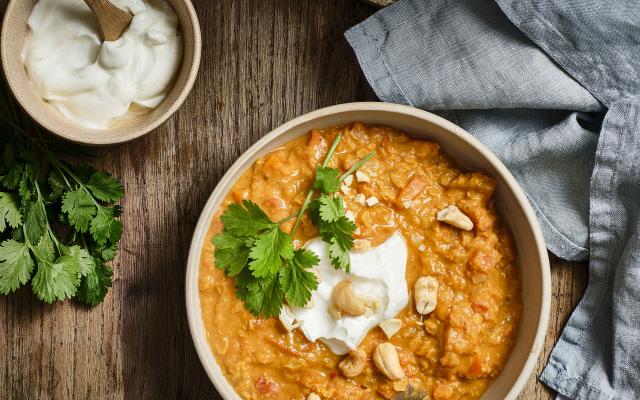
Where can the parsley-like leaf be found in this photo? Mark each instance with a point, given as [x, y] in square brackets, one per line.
[35, 223]
[9, 211]
[104, 227]
[80, 208]
[231, 253]
[327, 180]
[246, 219]
[262, 297]
[16, 265]
[106, 252]
[330, 208]
[267, 250]
[296, 280]
[56, 184]
[95, 285]
[55, 280]
[104, 187]
[335, 229]
[12, 179]
[56, 233]
[261, 257]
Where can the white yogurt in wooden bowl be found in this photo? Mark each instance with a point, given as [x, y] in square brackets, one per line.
[92, 82]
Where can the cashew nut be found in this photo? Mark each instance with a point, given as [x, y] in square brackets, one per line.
[385, 357]
[390, 326]
[347, 302]
[313, 396]
[362, 177]
[426, 294]
[454, 217]
[353, 364]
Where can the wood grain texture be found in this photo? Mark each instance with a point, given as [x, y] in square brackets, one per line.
[264, 62]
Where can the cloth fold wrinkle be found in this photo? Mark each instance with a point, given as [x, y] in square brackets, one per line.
[519, 75]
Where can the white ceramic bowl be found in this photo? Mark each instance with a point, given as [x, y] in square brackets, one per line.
[512, 203]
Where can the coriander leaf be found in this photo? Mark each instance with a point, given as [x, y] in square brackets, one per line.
[296, 280]
[104, 227]
[85, 262]
[23, 189]
[44, 249]
[245, 283]
[16, 265]
[56, 183]
[55, 280]
[271, 298]
[231, 253]
[327, 180]
[9, 211]
[107, 252]
[13, 177]
[339, 254]
[267, 250]
[330, 208]
[80, 208]
[95, 285]
[338, 233]
[246, 219]
[261, 297]
[35, 223]
[31, 166]
[104, 187]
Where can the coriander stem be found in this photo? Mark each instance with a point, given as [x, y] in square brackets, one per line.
[283, 220]
[44, 209]
[357, 165]
[307, 200]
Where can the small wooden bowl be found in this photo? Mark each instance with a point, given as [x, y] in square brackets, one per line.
[14, 34]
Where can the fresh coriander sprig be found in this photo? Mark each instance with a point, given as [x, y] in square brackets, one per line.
[323, 179]
[261, 257]
[59, 232]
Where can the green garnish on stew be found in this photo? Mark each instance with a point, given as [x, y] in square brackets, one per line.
[267, 268]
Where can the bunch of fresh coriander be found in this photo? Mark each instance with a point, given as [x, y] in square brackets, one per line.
[261, 257]
[59, 224]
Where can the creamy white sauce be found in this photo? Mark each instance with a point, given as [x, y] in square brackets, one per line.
[378, 273]
[93, 83]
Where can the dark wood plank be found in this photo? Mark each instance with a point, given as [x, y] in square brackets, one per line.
[264, 62]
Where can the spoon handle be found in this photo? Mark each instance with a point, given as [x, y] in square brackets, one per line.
[113, 21]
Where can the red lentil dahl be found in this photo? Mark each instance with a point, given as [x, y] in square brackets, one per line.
[453, 353]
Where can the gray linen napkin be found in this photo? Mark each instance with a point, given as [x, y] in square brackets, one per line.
[553, 88]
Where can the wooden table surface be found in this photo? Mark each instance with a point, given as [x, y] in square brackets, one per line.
[264, 63]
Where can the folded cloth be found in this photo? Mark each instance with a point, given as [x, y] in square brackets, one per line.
[553, 88]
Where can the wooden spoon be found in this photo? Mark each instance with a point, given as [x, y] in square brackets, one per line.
[113, 21]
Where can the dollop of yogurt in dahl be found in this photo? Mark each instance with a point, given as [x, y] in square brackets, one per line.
[378, 273]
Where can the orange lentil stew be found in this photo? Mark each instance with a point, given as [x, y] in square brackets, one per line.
[454, 352]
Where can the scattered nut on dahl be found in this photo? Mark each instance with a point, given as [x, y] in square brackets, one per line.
[462, 290]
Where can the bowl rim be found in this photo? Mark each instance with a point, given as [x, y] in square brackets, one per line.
[103, 140]
[192, 294]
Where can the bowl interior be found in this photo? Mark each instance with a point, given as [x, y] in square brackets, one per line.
[532, 255]
[14, 34]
